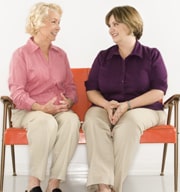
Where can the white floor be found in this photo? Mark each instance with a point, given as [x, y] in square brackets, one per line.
[143, 177]
[77, 183]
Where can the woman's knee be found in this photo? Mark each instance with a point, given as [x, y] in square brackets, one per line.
[40, 120]
[95, 113]
[69, 118]
[96, 118]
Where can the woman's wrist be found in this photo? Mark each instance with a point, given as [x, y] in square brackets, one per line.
[70, 103]
[129, 105]
[36, 107]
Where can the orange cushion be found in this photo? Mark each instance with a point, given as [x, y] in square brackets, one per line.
[159, 134]
[15, 136]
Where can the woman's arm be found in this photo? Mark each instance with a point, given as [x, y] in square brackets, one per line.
[147, 98]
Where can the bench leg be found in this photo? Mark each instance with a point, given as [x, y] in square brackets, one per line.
[3, 150]
[164, 159]
[176, 167]
[13, 160]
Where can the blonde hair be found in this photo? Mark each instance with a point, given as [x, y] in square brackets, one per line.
[129, 16]
[38, 13]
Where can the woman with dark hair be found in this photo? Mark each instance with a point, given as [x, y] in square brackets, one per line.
[125, 85]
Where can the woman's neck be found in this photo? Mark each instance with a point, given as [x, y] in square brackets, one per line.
[126, 47]
[43, 45]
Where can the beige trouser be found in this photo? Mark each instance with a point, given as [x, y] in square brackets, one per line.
[47, 134]
[110, 154]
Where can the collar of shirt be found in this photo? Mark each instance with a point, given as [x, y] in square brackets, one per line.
[33, 46]
[137, 51]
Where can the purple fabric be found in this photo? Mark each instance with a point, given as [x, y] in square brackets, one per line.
[122, 80]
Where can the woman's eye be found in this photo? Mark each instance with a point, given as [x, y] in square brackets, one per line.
[55, 22]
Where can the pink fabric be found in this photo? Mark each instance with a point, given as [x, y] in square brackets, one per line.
[33, 78]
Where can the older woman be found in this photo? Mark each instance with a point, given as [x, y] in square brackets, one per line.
[125, 85]
[42, 88]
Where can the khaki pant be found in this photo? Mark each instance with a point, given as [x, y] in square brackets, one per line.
[47, 134]
[110, 154]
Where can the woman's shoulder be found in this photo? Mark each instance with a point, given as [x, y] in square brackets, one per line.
[149, 49]
[109, 49]
[58, 49]
[29, 46]
[108, 52]
[20, 50]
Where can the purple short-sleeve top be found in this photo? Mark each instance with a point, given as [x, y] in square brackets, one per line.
[124, 79]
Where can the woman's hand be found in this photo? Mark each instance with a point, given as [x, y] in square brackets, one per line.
[115, 110]
[50, 107]
[111, 107]
[66, 103]
[120, 110]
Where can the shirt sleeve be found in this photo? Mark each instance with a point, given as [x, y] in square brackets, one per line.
[158, 72]
[92, 81]
[17, 81]
[69, 84]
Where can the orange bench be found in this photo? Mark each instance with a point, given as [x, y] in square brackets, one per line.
[160, 134]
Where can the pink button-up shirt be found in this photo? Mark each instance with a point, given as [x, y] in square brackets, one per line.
[33, 78]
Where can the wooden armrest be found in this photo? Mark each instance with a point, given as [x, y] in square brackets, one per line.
[7, 100]
[171, 100]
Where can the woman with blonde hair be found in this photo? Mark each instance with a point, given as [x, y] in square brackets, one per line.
[43, 91]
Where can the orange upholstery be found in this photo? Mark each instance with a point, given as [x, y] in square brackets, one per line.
[15, 136]
[159, 134]
[80, 75]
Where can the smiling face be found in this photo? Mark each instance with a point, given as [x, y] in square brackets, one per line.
[124, 18]
[51, 27]
[118, 31]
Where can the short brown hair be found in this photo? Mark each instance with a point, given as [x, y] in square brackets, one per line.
[129, 16]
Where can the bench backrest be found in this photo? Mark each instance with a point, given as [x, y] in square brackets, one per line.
[80, 76]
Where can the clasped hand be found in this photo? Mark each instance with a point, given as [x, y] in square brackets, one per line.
[52, 108]
[116, 110]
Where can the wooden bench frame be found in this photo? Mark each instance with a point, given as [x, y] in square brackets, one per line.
[164, 134]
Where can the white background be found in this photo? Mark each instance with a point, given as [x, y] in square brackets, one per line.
[83, 34]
